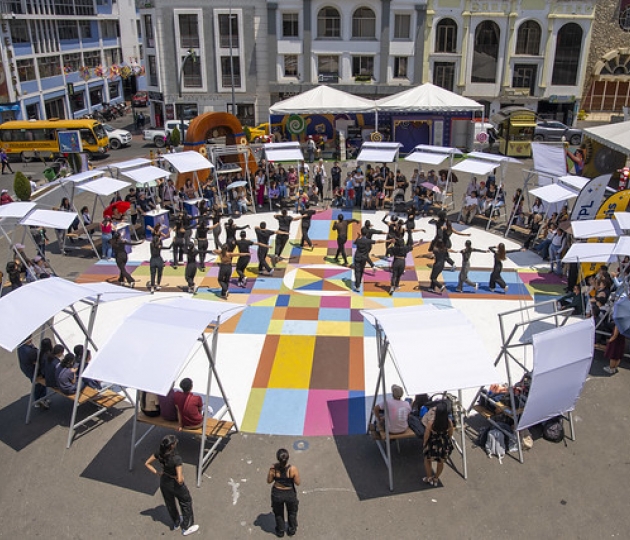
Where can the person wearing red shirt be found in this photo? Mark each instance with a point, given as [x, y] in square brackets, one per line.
[189, 406]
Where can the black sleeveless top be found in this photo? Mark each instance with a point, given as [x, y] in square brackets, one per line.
[284, 480]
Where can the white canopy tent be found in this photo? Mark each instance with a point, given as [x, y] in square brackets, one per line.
[283, 152]
[125, 165]
[52, 219]
[615, 136]
[10, 214]
[103, 187]
[146, 176]
[440, 367]
[595, 228]
[553, 193]
[590, 252]
[427, 97]
[323, 100]
[186, 162]
[35, 305]
[381, 152]
[573, 182]
[623, 219]
[153, 365]
[475, 166]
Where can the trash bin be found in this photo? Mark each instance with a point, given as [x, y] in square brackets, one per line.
[50, 174]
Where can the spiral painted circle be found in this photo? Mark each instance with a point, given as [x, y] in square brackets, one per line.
[296, 124]
[376, 136]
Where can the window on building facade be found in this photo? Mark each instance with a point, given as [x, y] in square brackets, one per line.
[402, 26]
[77, 101]
[152, 70]
[624, 15]
[111, 29]
[55, 108]
[19, 32]
[400, 67]
[567, 59]
[85, 29]
[364, 24]
[26, 70]
[13, 6]
[72, 61]
[114, 89]
[188, 31]
[68, 30]
[446, 36]
[148, 31]
[92, 58]
[290, 65]
[362, 66]
[112, 56]
[139, 28]
[328, 68]
[96, 95]
[524, 76]
[192, 73]
[231, 76]
[444, 75]
[64, 7]
[528, 38]
[290, 25]
[48, 66]
[228, 28]
[84, 7]
[328, 23]
[486, 53]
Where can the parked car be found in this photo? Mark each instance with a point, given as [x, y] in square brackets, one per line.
[158, 135]
[140, 99]
[552, 130]
[117, 137]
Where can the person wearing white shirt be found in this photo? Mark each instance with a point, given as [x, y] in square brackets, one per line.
[398, 411]
[471, 206]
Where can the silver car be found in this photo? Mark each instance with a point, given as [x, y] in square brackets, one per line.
[554, 131]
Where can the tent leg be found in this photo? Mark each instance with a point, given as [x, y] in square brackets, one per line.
[134, 430]
[463, 435]
[571, 426]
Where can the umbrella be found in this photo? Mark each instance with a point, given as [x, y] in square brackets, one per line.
[120, 206]
[239, 183]
[431, 187]
[621, 315]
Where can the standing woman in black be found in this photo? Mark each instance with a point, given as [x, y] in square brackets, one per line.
[156, 263]
[443, 231]
[216, 221]
[440, 256]
[410, 227]
[202, 239]
[179, 241]
[284, 478]
[399, 252]
[230, 232]
[495, 276]
[225, 268]
[191, 266]
[172, 485]
[119, 247]
[463, 273]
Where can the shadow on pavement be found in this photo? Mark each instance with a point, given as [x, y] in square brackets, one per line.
[159, 514]
[266, 523]
[15, 433]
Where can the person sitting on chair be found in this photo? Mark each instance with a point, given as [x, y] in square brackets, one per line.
[398, 412]
[189, 406]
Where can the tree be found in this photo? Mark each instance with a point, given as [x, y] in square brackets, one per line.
[22, 187]
[175, 136]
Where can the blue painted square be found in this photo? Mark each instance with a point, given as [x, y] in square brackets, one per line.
[334, 314]
[267, 283]
[356, 412]
[299, 328]
[283, 300]
[254, 320]
[320, 230]
[368, 330]
[273, 417]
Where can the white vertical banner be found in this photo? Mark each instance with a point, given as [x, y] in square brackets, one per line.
[590, 198]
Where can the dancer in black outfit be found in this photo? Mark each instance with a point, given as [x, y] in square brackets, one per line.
[120, 254]
[202, 239]
[284, 225]
[172, 485]
[440, 254]
[410, 227]
[463, 273]
[230, 233]
[368, 232]
[182, 229]
[191, 266]
[307, 214]
[399, 252]
[284, 478]
[341, 226]
[216, 221]
[263, 236]
[362, 256]
[443, 231]
[495, 277]
[225, 268]
[243, 245]
[392, 231]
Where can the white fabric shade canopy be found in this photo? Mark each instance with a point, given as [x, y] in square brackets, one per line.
[549, 159]
[323, 100]
[441, 364]
[51, 219]
[615, 136]
[129, 164]
[562, 359]
[553, 193]
[283, 152]
[574, 182]
[474, 166]
[152, 365]
[623, 218]
[32, 305]
[104, 186]
[82, 176]
[427, 158]
[427, 97]
[146, 175]
[622, 247]
[492, 157]
[186, 162]
[590, 252]
[595, 228]
[16, 210]
[379, 152]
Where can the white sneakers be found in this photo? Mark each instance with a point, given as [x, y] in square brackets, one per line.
[190, 530]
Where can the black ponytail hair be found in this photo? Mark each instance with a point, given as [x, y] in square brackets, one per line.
[167, 447]
[282, 456]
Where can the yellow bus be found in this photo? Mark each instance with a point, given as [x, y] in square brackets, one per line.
[38, 138]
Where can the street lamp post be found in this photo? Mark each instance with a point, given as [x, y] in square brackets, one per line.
[190, 55]
[231, 63]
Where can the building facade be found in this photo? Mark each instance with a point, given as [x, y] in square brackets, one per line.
[63, 59]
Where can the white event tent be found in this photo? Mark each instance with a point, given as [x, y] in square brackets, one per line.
[153, 365]
[615, 136]
[323, 100]
[442, 364]
[427, 97]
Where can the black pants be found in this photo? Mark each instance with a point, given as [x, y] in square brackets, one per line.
[156, 267]
[174, 493]
[262, 259]
[215, 234]
[281, 241]
[178, 250]
[359, 269]
[225, 273]
[437, 269]
[341, 248]
[121, 261]
[241, 266]
[305, 237]
[496, 279]
[463, 277]
[398, 269]
[279, 499]
[190, 273]
[202, 246]
[5, 164]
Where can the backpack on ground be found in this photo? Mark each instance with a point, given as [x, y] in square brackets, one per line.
[495, 444]
[553, 429]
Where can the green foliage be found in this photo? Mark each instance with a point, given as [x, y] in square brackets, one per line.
[176, 137]
[22, 187]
